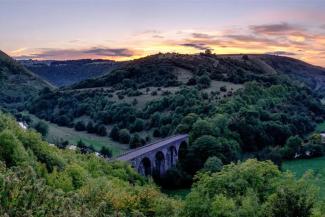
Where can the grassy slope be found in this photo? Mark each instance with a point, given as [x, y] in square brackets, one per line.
[56, 133]
[147, 97]
[320, 127]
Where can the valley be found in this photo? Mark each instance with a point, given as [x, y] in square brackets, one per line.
[246, 116]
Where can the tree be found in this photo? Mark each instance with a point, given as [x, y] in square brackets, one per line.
[101, 130]
[200, 150]
[165, 130]
[135, 141]
[80, 126]
[223, 89]
[63, 120]
[223, 207]
[82, 147]
[204, 81]
[12, 151]
[42, 128]
[200, 128]
[124, 136]
[192, 81]
[134, 102]
[156, 133]
[155, 119]
[212, 164]
[90, 127]
[292, 146]
[106, 152]
[138, 125]
[114, 134]
[291, 199]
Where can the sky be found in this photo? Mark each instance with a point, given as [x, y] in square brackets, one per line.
[128, 29]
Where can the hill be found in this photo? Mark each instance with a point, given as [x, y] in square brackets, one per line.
[313, 76]
[64, 73]
[17, 84]
[175, 69]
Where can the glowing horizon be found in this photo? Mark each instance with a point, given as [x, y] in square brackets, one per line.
[125, 29]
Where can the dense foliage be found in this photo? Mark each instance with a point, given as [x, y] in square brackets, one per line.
[252, 189]
[39, 180]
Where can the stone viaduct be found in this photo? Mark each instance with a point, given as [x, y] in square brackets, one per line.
[156, 158]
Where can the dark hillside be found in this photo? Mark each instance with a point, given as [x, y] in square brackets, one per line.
[168, 70]
[312, 75]
[63, 73]
[17, 84]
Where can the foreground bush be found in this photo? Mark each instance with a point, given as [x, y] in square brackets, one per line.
[251, 188]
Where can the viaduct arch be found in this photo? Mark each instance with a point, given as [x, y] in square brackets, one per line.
[156, 158]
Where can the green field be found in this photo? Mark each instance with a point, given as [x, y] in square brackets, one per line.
[317, 165]
[57, 133]
[178, 193]
[320, 127]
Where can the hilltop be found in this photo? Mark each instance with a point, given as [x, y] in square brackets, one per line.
[17, 84]
[175, 69]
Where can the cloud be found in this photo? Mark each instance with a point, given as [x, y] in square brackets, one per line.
[196, 45]
[275, 29]
[281, 53]
[94, 52]
[202, 36]
[158, 36]
[120, 52]
[322, 26]
[249, 38]
[74, 41]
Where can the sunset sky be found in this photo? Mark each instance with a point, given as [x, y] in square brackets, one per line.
[127, 29]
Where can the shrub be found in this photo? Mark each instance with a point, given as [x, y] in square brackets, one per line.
[42, 128]
[204, 81]
[114, 134]
[124, 136]
[106, 152]
[135, 141]
[90, 127]
[80, 126]
[101, 130]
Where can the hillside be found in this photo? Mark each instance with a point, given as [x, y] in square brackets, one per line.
[17, 84]
[175, 69]
[313, 76]
[63, 73]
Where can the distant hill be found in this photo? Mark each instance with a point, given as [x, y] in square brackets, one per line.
[313, 76]
[63, 73]
[17, 84]
[175, 69]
